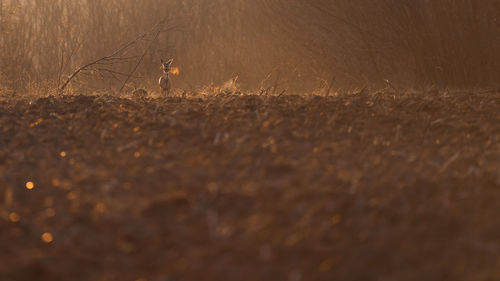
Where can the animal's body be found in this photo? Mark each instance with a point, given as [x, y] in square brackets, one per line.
[164, 80]
[165, 84]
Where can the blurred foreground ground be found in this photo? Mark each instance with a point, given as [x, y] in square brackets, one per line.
[244, 187]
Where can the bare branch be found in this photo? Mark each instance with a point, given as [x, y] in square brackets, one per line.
[144, 54]
[114, 56]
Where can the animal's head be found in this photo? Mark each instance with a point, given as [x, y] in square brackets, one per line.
[165, 65]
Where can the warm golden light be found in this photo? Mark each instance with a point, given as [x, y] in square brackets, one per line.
[174, 70]
[56, 182]
[14, 217]
[47, 237]
[30, 185]
[63, 154]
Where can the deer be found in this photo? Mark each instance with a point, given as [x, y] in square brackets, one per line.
[164, 80]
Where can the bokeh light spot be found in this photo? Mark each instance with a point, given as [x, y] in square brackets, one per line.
[56, 182]
[14, 217]
[47, 237]
[30, 185]
[174, 70]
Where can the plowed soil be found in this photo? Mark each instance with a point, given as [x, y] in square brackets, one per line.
[245, 187]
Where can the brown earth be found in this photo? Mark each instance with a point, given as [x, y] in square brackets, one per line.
[247, 187]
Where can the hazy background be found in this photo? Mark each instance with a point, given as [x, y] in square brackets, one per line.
[295, 44]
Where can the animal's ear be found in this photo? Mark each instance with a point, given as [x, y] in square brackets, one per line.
[169, 63]
[161, 61]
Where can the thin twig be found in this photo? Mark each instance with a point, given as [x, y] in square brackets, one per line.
[330, 85]
[144, 53]
[108, 57]
[391, 85]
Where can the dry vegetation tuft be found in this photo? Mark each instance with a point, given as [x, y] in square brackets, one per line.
[360, 186]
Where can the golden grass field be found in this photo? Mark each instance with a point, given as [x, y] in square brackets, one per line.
[366, 186]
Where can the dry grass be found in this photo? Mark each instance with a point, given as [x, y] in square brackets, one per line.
[247, 187]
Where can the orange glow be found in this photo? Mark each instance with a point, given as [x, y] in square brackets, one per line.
[56, 182]
[14, 217]
[174, 70]
[47, 237]
[30, 185]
